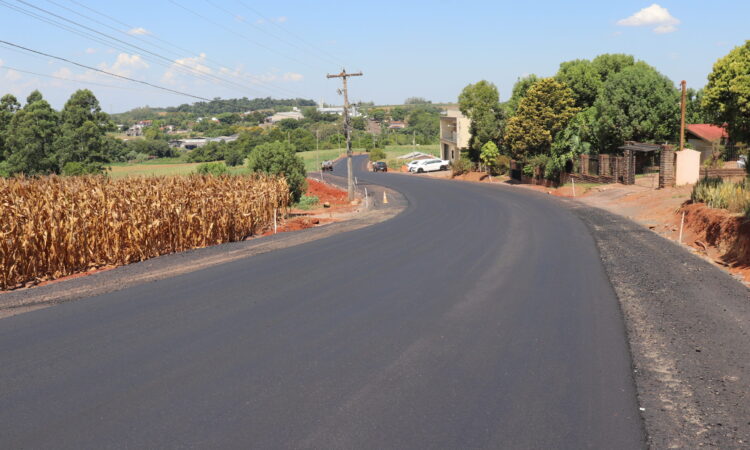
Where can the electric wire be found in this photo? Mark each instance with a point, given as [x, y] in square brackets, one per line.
[104, 71]
[92, 83]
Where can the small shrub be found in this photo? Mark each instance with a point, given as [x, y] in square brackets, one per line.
[377, 154]
[212, 168]
[73, 168]
[307, 202]
[461, 166]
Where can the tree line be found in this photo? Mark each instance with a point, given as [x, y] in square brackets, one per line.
[594, 106]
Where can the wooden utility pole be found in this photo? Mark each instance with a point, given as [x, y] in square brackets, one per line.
[682, 115]
[348, 129]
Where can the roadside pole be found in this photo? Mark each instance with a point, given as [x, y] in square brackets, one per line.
[347, 128]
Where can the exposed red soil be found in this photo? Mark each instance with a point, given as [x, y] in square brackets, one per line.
[326, 193]
[478, 177]
[728, 233]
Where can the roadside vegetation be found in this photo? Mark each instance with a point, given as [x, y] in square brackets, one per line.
[716, 193]
[56, 226]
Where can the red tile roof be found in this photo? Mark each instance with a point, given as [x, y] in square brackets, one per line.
[707, 132]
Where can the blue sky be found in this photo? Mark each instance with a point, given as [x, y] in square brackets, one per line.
[431, 49]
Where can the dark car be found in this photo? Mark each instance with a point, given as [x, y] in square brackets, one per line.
[379, 166]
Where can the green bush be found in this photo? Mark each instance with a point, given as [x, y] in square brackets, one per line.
[461, 166]
[78, 168]
[307, 202]
[233, 157]
[716, 193]
[280, 158]
[212, 168]
[377, 154]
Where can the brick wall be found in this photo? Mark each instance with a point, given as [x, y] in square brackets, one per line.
[666, 167]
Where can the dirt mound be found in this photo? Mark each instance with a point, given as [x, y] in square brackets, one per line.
[729, 233]
[472, 176]
[326, 193]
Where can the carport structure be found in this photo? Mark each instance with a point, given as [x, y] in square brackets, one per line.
[635, 151]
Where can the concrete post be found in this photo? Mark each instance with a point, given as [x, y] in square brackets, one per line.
[584, 165]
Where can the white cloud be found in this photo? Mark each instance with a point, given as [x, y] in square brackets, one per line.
[196, 63]
[12, 75]
[139, 31]
[1, 63]
[653, 16]
[90, 51]
[125, 64]
[281, 19]
[291, 76]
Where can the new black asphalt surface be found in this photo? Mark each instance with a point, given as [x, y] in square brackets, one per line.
[480, 317]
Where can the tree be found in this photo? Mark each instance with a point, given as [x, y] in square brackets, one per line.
[727, 94]
[609, 64]
[545, 110]
[30, 138]
[583, 78]
[520, 88]
[489, 155]
[416, 101]
[637, 104]
[82, 136]
[694, 112]
[398, 113]
[8, 107]
[280, 158]
[480, 102]
[424, 123]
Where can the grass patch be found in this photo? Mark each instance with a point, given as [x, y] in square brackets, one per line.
[720, 194]
[307, 202]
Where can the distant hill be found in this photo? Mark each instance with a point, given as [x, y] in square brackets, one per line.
[216, 106]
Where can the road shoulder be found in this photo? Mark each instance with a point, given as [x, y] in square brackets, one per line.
[689, 329]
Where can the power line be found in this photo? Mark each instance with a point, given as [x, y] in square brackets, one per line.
[92, 83]
[267, 86]
[270, 49]
[301, 39]
[193, 71]
[243, 20]
[104, 71]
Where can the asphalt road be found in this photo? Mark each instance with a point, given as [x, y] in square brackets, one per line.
[480, 317]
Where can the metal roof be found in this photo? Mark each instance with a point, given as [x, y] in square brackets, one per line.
[640, 147]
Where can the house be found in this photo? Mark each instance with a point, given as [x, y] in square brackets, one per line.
[702, 136]
[397, 125]
[191, 143]
[293, 114]
[339, 110]
[455, 134]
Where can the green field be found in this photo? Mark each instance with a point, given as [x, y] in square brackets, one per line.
[312, 159]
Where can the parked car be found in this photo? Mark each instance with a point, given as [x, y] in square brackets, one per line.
[429, 165]
[326, 165]
[379, 166]
[413, 163]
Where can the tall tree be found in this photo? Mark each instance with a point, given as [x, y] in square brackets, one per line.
[82, 141]
[520, 88]
[30, 138]
[8, 107]
[480, 102]
[694, 112]
[545, 110]
[727, 94]
[583, 78]
[637, 104]
[608, 64]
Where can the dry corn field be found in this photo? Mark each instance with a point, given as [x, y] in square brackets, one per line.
[52, 227]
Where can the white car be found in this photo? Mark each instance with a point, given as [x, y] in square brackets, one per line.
[429, 165]
[413, 163]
